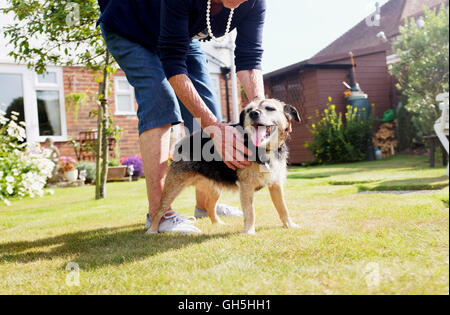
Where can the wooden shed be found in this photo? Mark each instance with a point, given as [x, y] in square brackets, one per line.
[308, 84]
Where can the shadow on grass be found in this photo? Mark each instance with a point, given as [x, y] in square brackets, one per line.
[312, 176]
[392, 163]
[349, 183]
[430, 183]
[97, 248]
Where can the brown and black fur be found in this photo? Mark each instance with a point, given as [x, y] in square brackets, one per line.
[268, 168]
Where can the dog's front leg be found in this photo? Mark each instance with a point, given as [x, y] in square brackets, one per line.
[276, 192]
[247, 203]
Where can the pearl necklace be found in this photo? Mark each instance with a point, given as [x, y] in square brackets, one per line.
[208, 24]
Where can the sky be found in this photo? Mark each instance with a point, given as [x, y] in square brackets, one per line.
[296, 30]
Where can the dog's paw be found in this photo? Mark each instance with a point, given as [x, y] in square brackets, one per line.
[291, 225]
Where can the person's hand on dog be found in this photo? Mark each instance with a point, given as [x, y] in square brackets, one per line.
[229, 143]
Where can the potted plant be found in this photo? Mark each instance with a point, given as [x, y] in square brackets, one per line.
[68, 168]
[134, 163]
[116, 171]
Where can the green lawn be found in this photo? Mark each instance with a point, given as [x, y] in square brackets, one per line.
[347, 243]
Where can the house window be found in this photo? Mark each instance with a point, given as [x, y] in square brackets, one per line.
[125, 104]
[48, 78]
[49, 91]
[39, 100]
[11, 95]
[49, 113]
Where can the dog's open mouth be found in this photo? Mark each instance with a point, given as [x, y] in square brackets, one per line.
[261, 133]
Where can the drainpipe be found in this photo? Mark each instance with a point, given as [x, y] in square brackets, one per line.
[234, 87]
[225, 71]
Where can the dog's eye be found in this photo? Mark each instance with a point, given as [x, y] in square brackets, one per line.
[270, 109]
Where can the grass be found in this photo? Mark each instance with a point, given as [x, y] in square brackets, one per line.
[348, 243]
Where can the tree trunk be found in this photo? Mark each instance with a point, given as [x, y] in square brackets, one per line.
[99, 145]
[102, 137]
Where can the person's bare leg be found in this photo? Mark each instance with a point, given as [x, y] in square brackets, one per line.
[155, 145]
[201, 196]
[202, 199]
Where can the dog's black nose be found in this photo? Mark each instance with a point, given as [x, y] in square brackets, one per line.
[255, 115]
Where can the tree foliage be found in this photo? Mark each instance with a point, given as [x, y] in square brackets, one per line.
[423, 71]
[64, 33]
[68, 29]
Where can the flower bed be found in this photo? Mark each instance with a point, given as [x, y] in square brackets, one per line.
[137, 164]
[24, 169]
[338, 139]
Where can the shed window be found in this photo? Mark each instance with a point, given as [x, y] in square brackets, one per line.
[287, 89]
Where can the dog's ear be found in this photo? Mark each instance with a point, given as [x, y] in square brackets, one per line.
[292, 113]
[242, 118]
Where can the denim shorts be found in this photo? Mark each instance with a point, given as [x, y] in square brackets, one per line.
[157, 103]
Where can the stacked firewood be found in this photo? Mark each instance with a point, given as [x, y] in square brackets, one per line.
[386, 139]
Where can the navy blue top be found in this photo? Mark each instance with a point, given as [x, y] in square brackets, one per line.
[168, 26]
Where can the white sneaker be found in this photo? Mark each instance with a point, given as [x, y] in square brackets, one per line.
[173, 222]
[222, 210]
[227, 211]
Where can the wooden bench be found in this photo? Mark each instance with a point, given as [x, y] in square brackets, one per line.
[442, 125]
[434, 143]
[87, 144]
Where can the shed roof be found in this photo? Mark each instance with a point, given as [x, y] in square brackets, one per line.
[362, 39]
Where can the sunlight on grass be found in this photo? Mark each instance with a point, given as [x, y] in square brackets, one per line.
[344, 238]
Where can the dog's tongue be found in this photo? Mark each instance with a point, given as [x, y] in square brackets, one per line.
[259, 133]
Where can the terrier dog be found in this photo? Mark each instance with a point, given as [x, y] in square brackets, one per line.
[266, 126]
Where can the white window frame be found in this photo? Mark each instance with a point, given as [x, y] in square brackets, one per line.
[215, 78]
[30, 85]
[118, 92]
[58, 87]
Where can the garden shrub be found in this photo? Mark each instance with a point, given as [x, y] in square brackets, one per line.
[339, 141]
[114, 163]
[423, 70]
[90, 169]
[24, 169]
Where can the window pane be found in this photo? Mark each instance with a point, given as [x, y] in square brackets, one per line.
[11, 94]
[124, 85]
[124, 104]
[47, 78]
[49, 113]
[294, 90]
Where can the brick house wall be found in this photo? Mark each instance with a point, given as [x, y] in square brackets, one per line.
[242, 101]
[76, 80]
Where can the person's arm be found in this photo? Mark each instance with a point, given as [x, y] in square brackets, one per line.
[253, 83]
[227, 139]
[249, 51]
